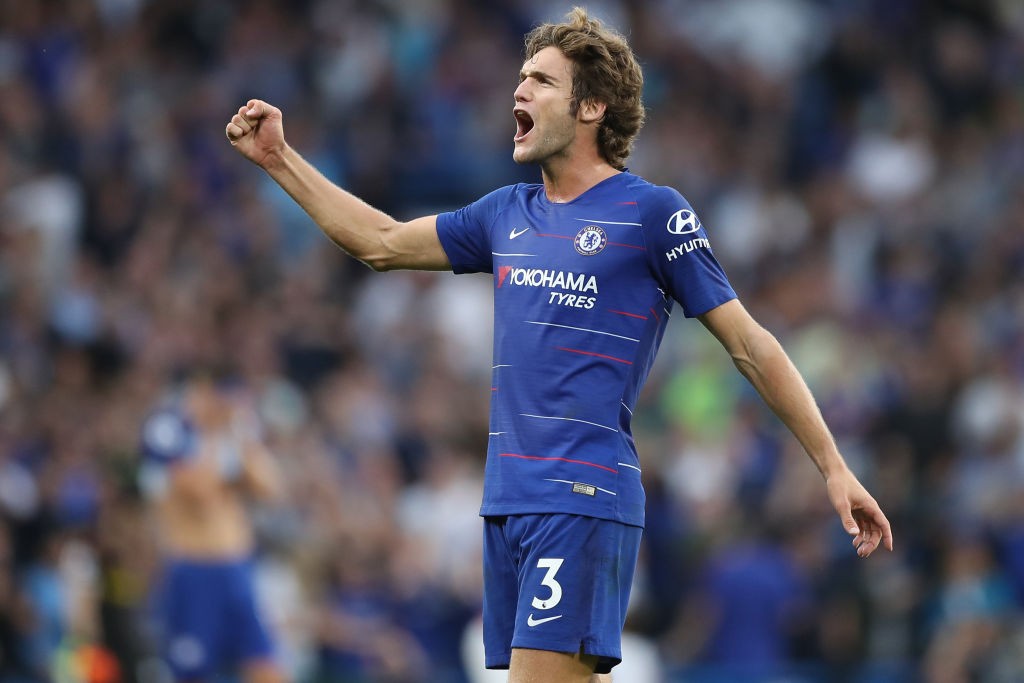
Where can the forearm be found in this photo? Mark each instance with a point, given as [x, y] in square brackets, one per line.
[261, 475]
[765, 364]
[349, 222]
[373, 237]
[761, 359]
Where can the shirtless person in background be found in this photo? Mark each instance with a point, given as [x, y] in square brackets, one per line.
[204, 461]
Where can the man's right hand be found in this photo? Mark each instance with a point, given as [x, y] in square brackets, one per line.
[257, 131]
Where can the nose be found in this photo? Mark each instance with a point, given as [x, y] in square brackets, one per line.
[522, 91]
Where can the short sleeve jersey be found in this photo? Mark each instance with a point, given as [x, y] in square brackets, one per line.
[583, 291]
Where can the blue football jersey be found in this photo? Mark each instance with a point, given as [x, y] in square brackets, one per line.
[583, 291]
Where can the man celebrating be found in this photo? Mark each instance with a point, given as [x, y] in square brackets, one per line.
[587, 266]
[205, 461]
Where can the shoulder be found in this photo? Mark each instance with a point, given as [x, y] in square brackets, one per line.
[487, 208]
[658, 205]
[510, 193]
[490, 207]
[648, 196]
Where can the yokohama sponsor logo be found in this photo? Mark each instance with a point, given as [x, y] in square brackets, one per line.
[552, 279]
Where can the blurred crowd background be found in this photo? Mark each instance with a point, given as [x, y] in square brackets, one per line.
[858, 165]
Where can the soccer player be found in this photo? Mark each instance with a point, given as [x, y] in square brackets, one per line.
[586, 268]
[204, 460]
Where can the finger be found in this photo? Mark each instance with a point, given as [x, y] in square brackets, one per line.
[255, 109]
[886, 531]
[880, 531]
[869, 543]
[849, 523]
[238, 127]
[865, 546]
[881, 525]
[867, 540]
[244, 115]
[242, 122]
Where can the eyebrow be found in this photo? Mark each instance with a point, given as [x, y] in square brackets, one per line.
[538, 74]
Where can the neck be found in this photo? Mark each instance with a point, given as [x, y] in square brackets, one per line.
[565, 182]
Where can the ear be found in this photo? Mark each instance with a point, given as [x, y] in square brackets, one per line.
[592, 111]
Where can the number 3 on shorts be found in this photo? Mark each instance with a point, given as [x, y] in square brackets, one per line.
[552, 564]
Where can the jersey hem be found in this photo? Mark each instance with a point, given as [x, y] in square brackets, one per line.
[498, 510]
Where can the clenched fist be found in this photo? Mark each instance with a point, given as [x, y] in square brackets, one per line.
[257, 132]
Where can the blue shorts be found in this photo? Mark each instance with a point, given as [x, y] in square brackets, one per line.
[557, 582]
[208, 618]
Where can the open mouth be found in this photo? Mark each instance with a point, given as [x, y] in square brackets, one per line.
[524, 124]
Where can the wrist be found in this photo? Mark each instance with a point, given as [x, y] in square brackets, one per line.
[276, 159]
[833, 466]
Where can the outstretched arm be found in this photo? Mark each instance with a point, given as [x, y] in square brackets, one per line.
[762, 360]
[369, 235]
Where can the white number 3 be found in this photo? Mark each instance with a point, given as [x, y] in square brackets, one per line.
[552, 565]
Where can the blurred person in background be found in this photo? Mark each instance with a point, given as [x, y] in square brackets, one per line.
[205, 462]
[586, 267]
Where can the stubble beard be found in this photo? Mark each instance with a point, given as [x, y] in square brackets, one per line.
[553, 143]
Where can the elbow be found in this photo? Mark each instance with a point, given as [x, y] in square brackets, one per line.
[384, 262]
[378, 264]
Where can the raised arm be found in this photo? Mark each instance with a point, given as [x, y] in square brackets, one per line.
[762, 360]
[370, 235]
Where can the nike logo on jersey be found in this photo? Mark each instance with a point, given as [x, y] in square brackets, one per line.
[516, 233]
[531, 622]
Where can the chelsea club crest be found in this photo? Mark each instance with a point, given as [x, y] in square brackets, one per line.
[590, 240]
